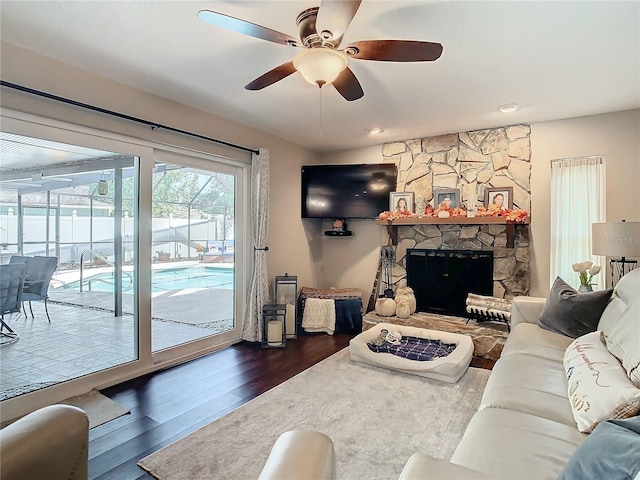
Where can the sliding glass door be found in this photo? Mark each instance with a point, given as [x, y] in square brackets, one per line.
[149, 255]
[62, 204]
[194, 238]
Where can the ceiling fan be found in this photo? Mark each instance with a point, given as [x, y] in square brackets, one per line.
[321, 61]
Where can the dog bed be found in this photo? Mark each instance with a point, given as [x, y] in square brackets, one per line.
[447, 368]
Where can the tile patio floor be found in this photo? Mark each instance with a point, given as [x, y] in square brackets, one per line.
[85, 339]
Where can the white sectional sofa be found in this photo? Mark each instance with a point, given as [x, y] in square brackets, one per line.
[51, 443]
[525, 426]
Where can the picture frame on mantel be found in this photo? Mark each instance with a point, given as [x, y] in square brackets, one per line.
[401, 202]
[498, 198]
[449, 196]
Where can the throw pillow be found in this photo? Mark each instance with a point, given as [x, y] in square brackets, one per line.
[612, 451]
[621, 324]
[598, 386]
[570, 313]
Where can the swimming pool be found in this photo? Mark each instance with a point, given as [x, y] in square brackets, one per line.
[165, 280]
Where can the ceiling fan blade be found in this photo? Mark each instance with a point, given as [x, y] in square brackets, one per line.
[395, 50]
[335, 16]
[272, 76]
[248, 28]
[348, 85]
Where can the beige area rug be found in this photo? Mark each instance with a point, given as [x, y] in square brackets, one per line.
[376, 418]
[100, 409]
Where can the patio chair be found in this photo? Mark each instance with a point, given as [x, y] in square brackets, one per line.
[11, 283]
[36, 284]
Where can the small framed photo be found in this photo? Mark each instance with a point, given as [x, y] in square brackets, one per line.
[499, 198]
[401, 202]
[450, 197]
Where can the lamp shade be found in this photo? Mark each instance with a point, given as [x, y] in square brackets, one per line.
[616, 239]
[320, 65]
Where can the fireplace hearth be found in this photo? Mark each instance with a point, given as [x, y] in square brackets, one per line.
[442, 279]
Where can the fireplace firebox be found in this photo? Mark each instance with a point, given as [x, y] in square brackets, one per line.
[442, 279]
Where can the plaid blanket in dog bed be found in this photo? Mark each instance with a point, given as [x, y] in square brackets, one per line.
[414, 348]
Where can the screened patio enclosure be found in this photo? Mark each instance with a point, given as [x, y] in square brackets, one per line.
[81, 205]
[59, 210]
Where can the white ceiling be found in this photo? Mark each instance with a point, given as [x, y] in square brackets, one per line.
[557, 59]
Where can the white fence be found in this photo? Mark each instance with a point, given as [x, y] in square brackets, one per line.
[79, 233]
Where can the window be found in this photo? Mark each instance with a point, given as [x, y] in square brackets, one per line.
[577, 201]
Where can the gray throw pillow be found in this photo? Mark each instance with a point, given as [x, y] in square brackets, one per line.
[571, 313]
[611, 452]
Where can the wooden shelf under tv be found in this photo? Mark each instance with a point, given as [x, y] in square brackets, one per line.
[392, 225]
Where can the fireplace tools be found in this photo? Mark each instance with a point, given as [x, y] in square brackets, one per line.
[387, 257]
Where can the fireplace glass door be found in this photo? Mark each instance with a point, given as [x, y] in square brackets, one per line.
[442, 279]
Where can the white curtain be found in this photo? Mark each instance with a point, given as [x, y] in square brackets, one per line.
[577, 201]
[258, 293]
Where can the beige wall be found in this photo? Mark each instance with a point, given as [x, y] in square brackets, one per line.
[614, 135]
[289, 241]
[353, 263]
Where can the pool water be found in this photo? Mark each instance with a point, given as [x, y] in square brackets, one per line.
[165, 280]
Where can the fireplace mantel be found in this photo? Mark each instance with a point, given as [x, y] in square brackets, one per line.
[392, 225]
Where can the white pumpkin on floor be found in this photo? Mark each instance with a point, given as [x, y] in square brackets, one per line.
[386, 307]
[403, 309]
[406, 294]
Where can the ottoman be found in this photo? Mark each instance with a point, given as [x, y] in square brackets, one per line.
[446, 369]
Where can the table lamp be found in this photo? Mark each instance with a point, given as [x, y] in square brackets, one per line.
[620, 241]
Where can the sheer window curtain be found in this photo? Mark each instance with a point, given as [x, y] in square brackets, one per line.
[258, 293]
[577, 201]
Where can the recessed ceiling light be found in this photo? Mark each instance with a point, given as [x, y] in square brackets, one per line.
[509, 107]
[374, 131]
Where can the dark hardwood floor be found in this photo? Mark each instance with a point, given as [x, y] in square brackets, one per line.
[170, 404]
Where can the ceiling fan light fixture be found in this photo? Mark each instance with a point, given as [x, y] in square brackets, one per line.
[320, 66]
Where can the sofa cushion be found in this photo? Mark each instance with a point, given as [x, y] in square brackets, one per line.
[620, 323]
[301, 454]
[509, 444]
[612, 451]
[532, 340]
[571, 313]
[529, 384]
[525, 309]
[597, 384]
[50, 443]
[421, 466]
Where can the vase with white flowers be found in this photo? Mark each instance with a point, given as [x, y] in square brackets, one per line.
[586, 271]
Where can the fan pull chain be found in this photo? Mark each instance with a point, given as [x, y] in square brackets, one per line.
[321, 115]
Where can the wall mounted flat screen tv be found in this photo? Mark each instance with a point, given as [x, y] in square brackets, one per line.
[347, 191]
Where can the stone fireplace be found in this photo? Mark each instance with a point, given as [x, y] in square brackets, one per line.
[472, 162]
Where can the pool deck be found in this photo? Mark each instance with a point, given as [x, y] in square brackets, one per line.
[84, 336]
[193, 306]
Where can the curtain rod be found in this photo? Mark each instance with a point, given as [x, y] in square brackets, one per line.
[153, 125]
[577, 158]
